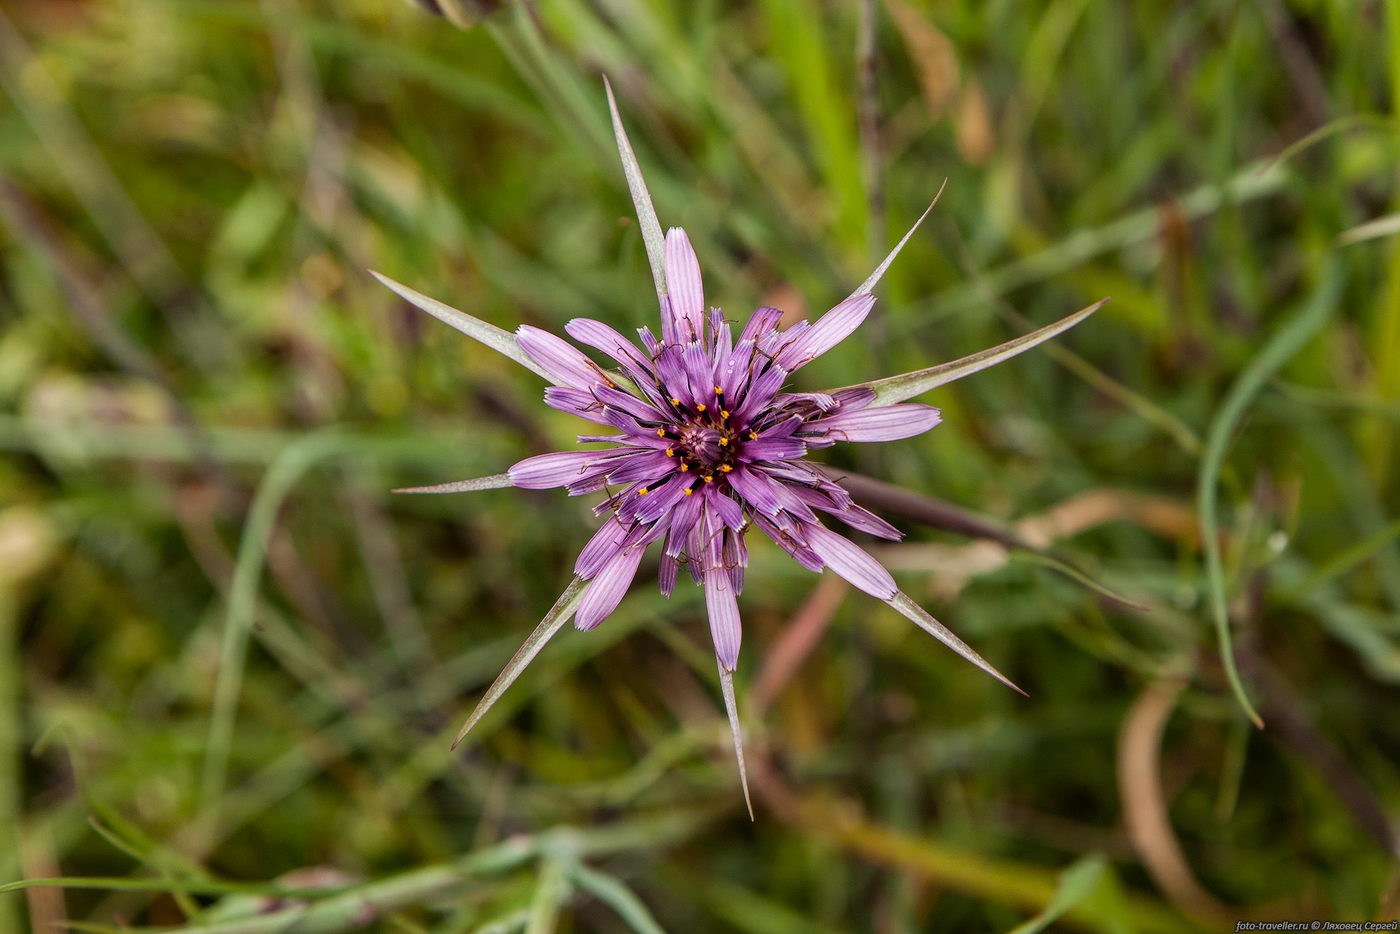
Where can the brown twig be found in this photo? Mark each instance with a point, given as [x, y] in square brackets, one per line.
[923, 509]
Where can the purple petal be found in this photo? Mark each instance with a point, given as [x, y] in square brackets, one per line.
[565, 364]
[853, 397]
[889, 423]
[736, 558]
[761, 322]
[760, 393]
[666, 575]
[550, 470]
[628, 403]
[607, 589]
[732, 374]
[850, 561]
[653, 504]
[757, 490]
[578, 402]
[723, 608]
[829, 330]
[699, 372]
[790, 542]
[729, 511]
[857, 517]
[772, 449]
[648, 466]
[683, 287]
[604, 544]
[721, 335]
[683, 520]
[609, 341]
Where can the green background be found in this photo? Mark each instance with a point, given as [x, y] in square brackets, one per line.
[204, 399]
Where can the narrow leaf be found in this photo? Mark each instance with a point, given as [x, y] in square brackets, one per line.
[726, 684]
[894, 389]
[641, 198]
[493, 482]
[609, 890]
[488, 334]
[553, 621]
[942, 633]
[1077, 883]
[869, 284]
[1074, 574]
[1277, 350]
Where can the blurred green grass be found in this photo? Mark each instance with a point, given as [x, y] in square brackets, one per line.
[206, 398]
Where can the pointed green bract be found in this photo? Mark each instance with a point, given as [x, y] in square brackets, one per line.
[498, 340]
[641, 198]
[925, 621]
[894, 389]
[731, 707]
[493, 482]
[553, 621]
[869, 284]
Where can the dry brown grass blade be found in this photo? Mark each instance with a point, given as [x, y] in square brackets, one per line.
[1145, 806]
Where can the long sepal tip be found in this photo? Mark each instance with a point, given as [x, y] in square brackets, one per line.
[652, 236]
[499, 340]
[553, 621]
[869, 284]
[731, 707]
[925, 621]
[493, 482]
[892, 389]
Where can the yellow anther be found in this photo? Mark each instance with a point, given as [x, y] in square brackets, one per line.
[700, 407]
[688, 491]
[724, 442]
[661, 432]
[723, 413]
[642, 491]
[753, 436]
[725, 468]
[709, 478]
[675, 401]
[684, 467]
[719, 390]
[670, 452]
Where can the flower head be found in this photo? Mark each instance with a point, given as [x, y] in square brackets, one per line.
[707, 442]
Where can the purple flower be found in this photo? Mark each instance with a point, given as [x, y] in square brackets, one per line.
[704, 443]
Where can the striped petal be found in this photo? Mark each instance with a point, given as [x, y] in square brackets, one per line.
[609, 340]
[890, 423]
[831, 329]
[723, 609]
[544, 471]
[683, 287]
[850, 561]
[606, 590]
[565, 364]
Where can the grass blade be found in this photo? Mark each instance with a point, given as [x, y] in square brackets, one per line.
[609, 890]
[1284, 343]
[1077, 883]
